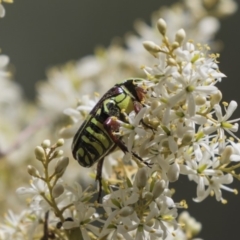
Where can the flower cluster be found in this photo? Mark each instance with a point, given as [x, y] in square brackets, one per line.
[186, 132]
[140, 208]
[181, 128]
[143, 209]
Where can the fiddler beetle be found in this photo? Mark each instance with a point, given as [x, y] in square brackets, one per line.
[95, 138]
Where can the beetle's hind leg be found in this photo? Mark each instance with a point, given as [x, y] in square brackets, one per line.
[99, 178]
[111, 126]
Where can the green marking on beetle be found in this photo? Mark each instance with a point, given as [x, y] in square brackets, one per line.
[80, 152]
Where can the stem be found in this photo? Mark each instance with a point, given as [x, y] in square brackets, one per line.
[52, 201]
[66, 207]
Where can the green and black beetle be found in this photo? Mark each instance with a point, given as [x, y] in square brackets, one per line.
[95, 138]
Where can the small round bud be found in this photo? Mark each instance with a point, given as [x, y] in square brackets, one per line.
[171, 62]
[146, 119]
[61, 165]
[225, 157]
[32, 171]
[58, 189]
[180, 36]
[150, 222]
[173, 172]
[187, 138]
[126, 211]
[200, 100]
[60, 142]
[216, 98]
[162, 26]
[151, 47]
[141, 177]
[40, 154]
[148, 196]
[57, 153]
[158, 188]
[154, 104]
[175, 45]
[46, 143]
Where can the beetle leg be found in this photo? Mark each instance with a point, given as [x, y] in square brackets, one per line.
[137, 106]
[141, 93]
[111, 126]
[99, 178]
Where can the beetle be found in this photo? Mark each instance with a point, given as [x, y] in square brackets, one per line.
[95, 138]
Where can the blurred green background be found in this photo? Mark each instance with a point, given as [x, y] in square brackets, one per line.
[40, 34]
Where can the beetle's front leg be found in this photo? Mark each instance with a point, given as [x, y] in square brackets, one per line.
[111, 125]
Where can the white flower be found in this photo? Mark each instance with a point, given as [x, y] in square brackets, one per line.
[83, 217]
[223, 124]
[216, 183]
[37, 190]
[201, 172]
[189, 80]
[162, 136]
[38, 187]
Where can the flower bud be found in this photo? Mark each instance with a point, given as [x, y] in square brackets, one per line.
[60, 142]
[187, 138]
[141, 177]
[150, 223]
[225, 157]
[57, 153]
[180, 36]
[173, 172]
[175, 45]
[216, 98]
[154, 104]
[171, 62]
[158, 188]
[32, 171]
[46, 143]
[151, 46]
[200, 100]
[58, 189]
[126, 211]
[148, 196]
[40, 154]
[61, 165]
[162, 26]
